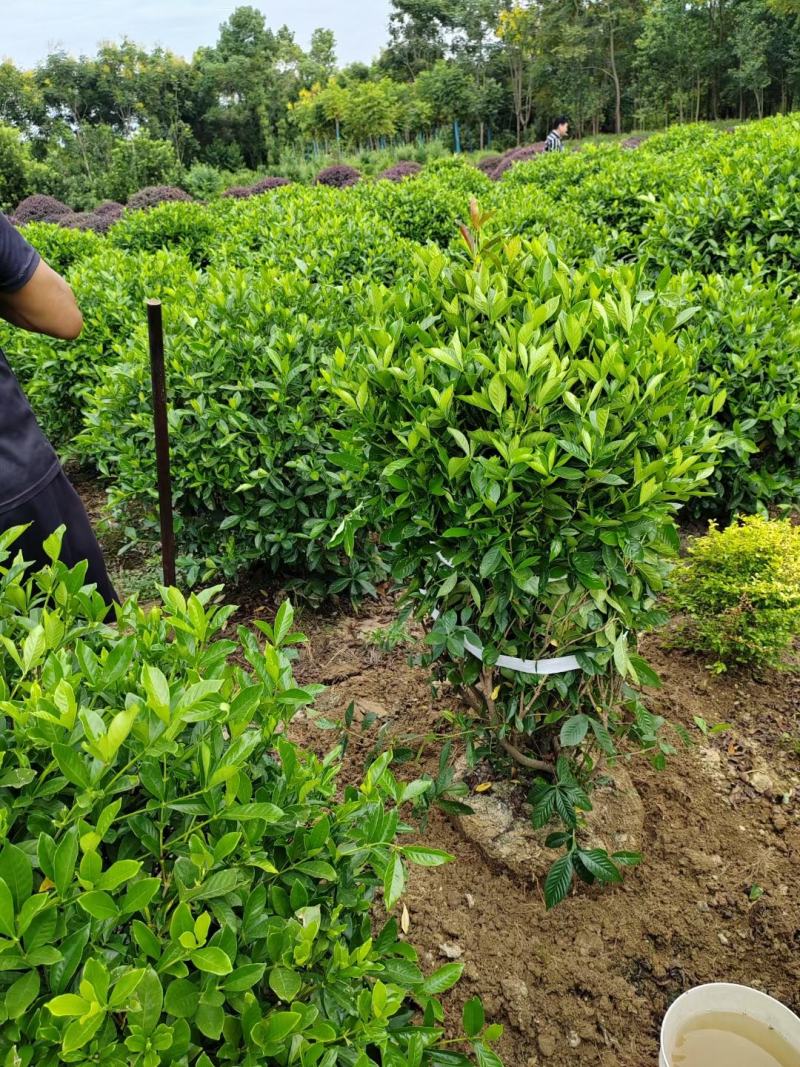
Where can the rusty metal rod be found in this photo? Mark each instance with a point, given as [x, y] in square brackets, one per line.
[158, 376]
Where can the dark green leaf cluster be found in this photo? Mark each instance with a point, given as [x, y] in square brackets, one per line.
[257, 470]
[179, 883]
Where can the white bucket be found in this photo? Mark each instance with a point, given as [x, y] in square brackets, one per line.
[724, 997]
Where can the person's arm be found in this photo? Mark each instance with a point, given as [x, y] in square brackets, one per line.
[32, 295]
[44, 304]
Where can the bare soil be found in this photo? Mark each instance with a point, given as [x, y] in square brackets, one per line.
[588, 983]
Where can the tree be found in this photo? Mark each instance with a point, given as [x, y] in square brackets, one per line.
[371, 111]
[318, 65]
[751, 42]
[673, 59]
[452, 95]
[518, 29]
[417, 36]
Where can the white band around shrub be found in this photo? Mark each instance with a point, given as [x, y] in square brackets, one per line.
[558, 665]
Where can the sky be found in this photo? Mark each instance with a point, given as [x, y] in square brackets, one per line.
[30, 30]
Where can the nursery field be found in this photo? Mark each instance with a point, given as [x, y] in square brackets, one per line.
[473, 423]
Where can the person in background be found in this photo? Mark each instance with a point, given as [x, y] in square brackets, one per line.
[34, 491]
[555, 139]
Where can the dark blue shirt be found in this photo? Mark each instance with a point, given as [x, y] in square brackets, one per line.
[27, 460]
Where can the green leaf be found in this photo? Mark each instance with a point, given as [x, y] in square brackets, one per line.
[212, 961]
[598, 862]
[486, 1057]
[245, 812]
[285, 984]
[394, 881]
[68, 1005]
[139, 895]
[182, 998]
[244, 978]
[497, 394]
[574, 730]
[559, 879]
[278, 1026]
[64, 860]
[156, 687]
[319, 869]
[17, 872]
[426, 857]
[621, 654]
[71, 949]
[99, 905]
[474, 1017]
[491, 561]
[443, 979]
[7, 925]
[149, 1001]
[71, 765]
[125, 987]
[81, 1032]
[21, 994]
[627, 859]
[117, 873]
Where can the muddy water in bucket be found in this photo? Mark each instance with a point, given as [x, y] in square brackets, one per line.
[723, 1039]
[725, 1025]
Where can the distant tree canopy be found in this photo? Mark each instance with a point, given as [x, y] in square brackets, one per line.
[475, 73]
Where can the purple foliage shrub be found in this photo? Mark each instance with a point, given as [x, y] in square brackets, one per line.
[400, 171]
[39, 208]
[111, 209]
[263, 185]
[488, 164]
[516, 155]
[156, 194]
[339, 176]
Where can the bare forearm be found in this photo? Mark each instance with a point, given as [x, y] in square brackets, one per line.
[46, 304]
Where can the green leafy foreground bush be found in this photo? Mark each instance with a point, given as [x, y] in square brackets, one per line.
[257, 471]
[179, 883]
[740, 588]
[746, 337]
[530, 433]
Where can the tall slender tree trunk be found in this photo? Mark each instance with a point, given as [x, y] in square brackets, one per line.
[615, 76]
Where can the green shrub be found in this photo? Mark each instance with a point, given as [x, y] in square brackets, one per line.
[740, 589]
[204, 181]
[111, 288]
[331, 235]
[745, 207]
[746, 335]
[173, 225]
[257, 476]
[60, 247]
[530, 432]
[179, 883]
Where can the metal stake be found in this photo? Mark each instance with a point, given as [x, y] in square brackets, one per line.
[156, 329]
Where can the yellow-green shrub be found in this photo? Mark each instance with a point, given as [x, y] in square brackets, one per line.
[740, 590]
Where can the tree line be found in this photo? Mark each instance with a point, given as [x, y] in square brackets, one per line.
[474, 73]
